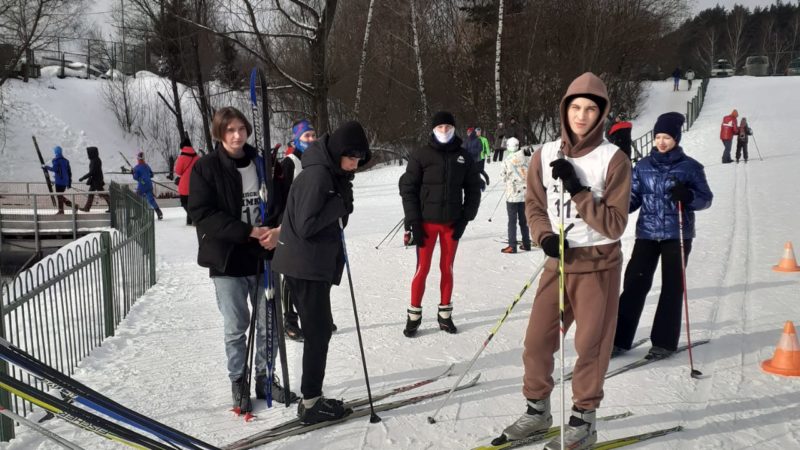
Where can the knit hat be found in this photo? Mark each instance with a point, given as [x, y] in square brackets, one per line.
[297, 130]
[442, 118]
[512, 144]
[140, 156]
[670, 123]
[470, 130]
[58, 151]
[599, 101]
[349, 139]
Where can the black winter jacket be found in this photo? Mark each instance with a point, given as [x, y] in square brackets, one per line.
[215, 206]
[441, 184]
[95, 176]
[310, 246]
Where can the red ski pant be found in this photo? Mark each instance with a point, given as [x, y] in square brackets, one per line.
[444, 232]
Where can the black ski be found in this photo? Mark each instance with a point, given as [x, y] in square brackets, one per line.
[46, 173]
[642, 341]
[359, 412]
[645, 361]
[71, 389]
[355, 403]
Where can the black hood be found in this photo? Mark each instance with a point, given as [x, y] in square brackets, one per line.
[318, 154]
[92, 152]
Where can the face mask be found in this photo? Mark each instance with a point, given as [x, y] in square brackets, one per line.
[300, 146]
[444, 138]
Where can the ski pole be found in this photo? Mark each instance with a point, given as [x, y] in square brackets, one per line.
[759, 151]
[561, 236]
[694, 373]
[497, 205]
[391, 232]
[39, 429]
[432, 418]
[373, 418]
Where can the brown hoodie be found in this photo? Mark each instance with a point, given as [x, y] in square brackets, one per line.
[609, 214]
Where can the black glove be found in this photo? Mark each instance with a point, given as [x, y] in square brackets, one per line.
[458, 228]
[681, 193]
[550, 245]
[562, 169]
[418, 234]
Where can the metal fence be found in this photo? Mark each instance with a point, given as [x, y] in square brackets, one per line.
[645, 142]
[63, 308]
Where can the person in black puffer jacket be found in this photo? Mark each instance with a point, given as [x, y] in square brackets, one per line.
[310, 253]
[94, 179]
[441, 192]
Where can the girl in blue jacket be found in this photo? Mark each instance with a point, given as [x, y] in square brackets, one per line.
[660, 181]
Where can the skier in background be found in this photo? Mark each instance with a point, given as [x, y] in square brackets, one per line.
[183, 170]
[515, 175]
[63, 176]
[94, 178]
[728, 129]
[143, 175]
[741, 140]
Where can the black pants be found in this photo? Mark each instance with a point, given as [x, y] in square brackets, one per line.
[90, 200]
[638, 280]
[62, 200]
[185, 205]
[287, 300]
[741, 147]
[498, 154]
[482, 168]
[313, 301]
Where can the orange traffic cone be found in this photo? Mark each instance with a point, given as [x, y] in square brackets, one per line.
[786, 360]
[788, 263]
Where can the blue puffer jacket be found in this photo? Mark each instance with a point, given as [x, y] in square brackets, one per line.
[653, 178]
[62, 171]
[143, 174]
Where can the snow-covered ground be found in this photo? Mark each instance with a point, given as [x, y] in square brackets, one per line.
[167, 358]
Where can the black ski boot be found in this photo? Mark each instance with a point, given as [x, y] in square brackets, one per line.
[323, 410]
[446, 319]
[278, 392]
[159, 214]
[413, 321]
[293, 330]
[241, 397]
[657, 352]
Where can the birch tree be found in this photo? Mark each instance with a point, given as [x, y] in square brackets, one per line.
[735, 31]
[418, 59]
[498, 104]
[363, 61]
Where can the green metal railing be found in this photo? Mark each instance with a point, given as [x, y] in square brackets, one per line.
[63, 307]
[644, 142]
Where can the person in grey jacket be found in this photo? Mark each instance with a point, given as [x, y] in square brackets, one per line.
[310, 253]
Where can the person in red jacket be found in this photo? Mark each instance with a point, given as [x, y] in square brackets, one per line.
[727, 131]
[183, 170]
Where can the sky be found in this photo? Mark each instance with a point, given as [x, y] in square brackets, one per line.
[699, 5]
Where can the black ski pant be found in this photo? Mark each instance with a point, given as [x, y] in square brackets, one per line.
[313, 301]
[482, 168]
[638, 280]
[62, 200]
[498, 154]
[185, 206]
[741, 147]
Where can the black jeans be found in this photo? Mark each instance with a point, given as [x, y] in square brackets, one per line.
[498, 154]
[741, 146]
[638, 280]
[313, 301]
[185, 206]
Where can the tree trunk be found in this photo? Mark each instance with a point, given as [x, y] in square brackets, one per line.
[498, 104]
[420, 81]
[363, 62]
[176, 102]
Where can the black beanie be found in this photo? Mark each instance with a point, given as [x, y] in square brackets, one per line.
[349, 140]
[442, 118]
[599, 101]
[671, 124]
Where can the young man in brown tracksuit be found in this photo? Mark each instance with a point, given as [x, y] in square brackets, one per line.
[597, 178]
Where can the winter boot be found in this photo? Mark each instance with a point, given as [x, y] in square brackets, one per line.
[158, 213]
[535, 420]
[618, 351]
[413, 321]
[579, 433]
[509, 249]
[657, 352]
[321, 409]
[278, 392]
[241, 397]
[293, 330]
[446, 319]
[525, 246]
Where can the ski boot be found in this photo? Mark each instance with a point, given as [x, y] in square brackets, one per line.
[580, 432]
[618, 351]
[241, 397]
[159, 214]
[446, 319]
[413, 322]
[537, 419]
[322, 409]
[278, 392]
[657, 352]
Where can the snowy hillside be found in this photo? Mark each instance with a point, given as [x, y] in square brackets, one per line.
[167, 358]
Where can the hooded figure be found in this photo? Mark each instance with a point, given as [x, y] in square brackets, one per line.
[584, 182]
[183, 170]
[63, 176]
[310, 252]
[95, 177]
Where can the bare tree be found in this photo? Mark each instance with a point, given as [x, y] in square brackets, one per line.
[31, 23]
[707, 49]
[363, 61]
[498, 104]
[423, 100]
[735, 32]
